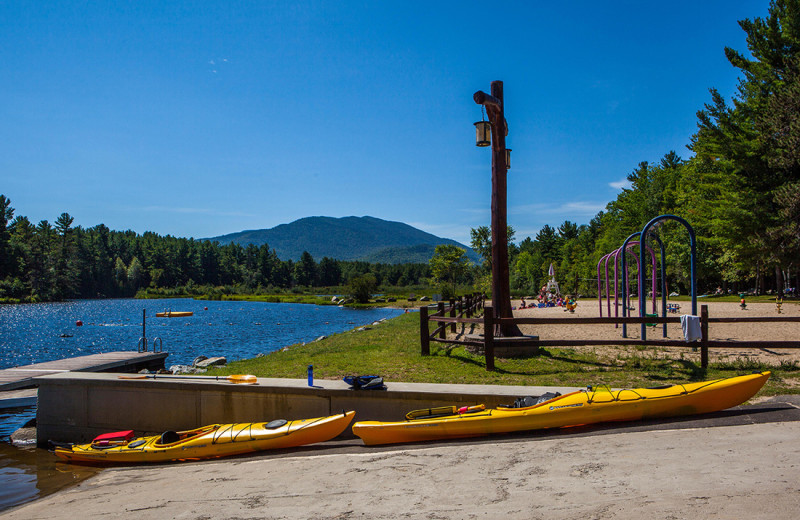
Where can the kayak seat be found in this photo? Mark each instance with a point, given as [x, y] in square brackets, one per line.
[169, 437]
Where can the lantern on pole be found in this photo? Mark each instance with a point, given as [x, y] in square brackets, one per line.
[483, 133]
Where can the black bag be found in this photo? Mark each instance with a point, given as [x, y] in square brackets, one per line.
[365, 382]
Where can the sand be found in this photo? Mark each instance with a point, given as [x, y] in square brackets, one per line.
[744, 471]
[739, 332]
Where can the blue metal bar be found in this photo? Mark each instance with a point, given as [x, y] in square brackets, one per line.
[625, 283]
[693, 245]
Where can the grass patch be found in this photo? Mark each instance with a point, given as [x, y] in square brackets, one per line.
[391, 349]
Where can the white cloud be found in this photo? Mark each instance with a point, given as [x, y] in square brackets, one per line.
[579, 208]
[620, 184]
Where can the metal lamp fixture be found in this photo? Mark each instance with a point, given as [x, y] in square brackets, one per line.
[483, 133]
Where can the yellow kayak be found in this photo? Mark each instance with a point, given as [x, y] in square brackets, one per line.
[174, 314]
[216, 440]
[593, 405]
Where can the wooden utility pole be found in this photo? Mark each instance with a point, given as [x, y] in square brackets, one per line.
[501, 289]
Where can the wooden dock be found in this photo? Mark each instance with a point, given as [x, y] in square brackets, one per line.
[22, 377]
[18, 398]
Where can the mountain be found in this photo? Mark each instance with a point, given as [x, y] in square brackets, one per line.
[348, 238]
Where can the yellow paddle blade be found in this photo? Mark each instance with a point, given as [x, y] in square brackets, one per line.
[245, 379]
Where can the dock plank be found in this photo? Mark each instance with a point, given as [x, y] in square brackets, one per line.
[122, 361]
[18, 398]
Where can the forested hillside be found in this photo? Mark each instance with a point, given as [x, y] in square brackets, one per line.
[46, 262]
[348, 238]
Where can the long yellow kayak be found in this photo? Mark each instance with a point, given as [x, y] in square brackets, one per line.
[216, 440]
[589, 406]
[174, 314]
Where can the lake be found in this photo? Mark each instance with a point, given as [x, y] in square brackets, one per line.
[33, 333]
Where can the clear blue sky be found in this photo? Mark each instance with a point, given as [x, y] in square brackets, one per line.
[203, 118]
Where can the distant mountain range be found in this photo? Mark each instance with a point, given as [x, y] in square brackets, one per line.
[348, 238]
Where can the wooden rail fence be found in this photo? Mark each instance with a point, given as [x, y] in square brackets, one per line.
[459, 310]
[489, 322]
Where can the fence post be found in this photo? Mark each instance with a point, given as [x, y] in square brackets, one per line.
[440, 324]
[469, 306]
[453, 315]
[704, 336]
[424, 332]
[488, 337]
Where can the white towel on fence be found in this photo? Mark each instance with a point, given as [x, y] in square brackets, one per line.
[691, 327]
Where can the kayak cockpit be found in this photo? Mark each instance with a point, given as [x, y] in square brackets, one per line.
[171, 438]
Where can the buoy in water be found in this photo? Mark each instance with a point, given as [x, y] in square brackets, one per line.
[79, 323]
[205, 308]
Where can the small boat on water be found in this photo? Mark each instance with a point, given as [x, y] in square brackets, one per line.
[174, 314]
[216, 440]
[593, 405]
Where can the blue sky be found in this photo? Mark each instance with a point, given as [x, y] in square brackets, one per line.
[197, 119]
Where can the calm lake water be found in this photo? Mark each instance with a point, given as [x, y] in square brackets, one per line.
[35, 333]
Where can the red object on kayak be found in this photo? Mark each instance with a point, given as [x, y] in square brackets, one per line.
[126, 435]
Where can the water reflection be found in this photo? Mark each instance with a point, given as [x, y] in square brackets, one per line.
[28, 472]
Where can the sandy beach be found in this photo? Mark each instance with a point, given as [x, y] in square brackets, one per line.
[738, 332]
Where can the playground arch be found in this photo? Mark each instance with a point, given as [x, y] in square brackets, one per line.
[648, 230]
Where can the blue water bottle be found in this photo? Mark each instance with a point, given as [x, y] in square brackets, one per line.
[310, 375]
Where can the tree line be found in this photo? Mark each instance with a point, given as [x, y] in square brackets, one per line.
[51, 262]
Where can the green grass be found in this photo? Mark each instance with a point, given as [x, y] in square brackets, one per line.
[391, 349]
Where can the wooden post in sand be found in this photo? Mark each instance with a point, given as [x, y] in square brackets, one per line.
[704, 336]
[424, 333]
[453, 315]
